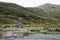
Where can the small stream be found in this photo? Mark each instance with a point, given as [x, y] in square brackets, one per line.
[36, 37]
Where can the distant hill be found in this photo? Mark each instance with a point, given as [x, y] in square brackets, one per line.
[50, 13]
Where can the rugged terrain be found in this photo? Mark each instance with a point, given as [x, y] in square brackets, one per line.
[46, 16]
[48, 12]
[10, 12]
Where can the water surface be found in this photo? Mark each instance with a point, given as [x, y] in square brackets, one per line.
[36, 37]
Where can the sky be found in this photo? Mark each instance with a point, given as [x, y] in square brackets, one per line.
[32, 3]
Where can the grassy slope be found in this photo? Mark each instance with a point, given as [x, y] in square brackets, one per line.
[50, 13]
[13, 11]
[37, 17]
[40, 16]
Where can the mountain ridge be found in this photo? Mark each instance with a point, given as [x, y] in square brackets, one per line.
[31, 16]
[48, 11]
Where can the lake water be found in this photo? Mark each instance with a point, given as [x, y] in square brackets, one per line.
[36, 37]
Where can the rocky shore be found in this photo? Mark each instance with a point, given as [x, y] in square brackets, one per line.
[14, 31]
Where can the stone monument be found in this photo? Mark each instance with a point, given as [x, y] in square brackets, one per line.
[20, 22]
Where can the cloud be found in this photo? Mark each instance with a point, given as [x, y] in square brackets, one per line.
[32, 3]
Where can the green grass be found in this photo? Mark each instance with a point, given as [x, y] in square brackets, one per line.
[37, 17]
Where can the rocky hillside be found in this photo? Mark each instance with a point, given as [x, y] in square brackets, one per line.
[43, 15]
[50, 13]
[9, 13]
